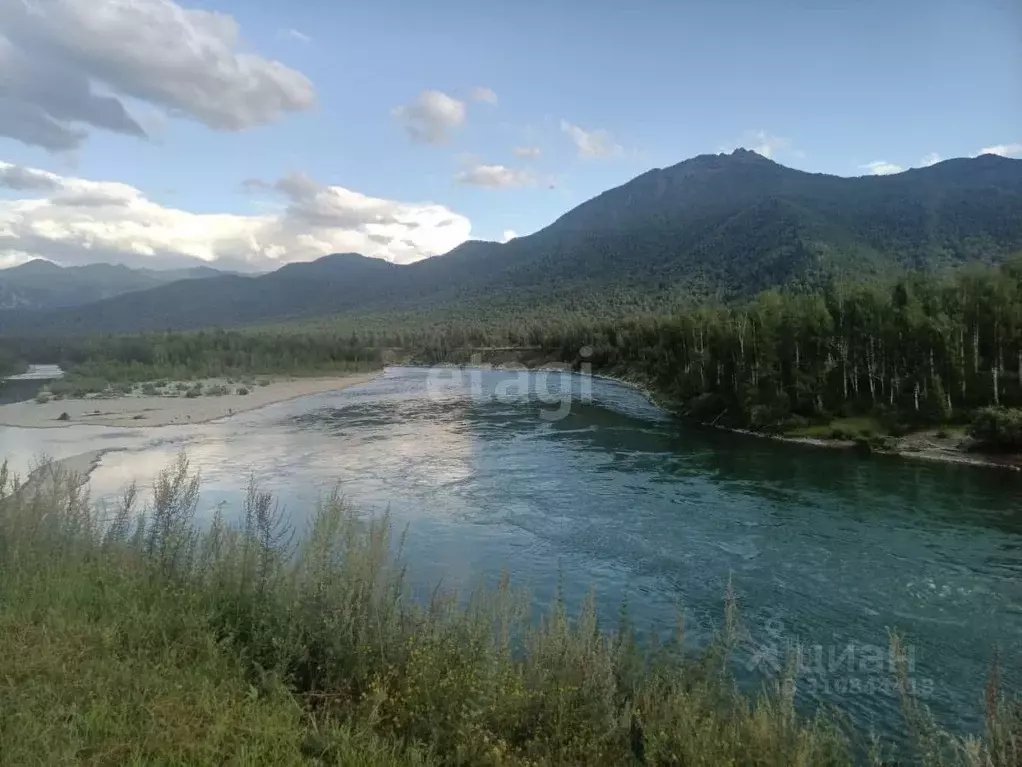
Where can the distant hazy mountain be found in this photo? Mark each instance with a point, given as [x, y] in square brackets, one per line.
[40, 284]
[722, 225]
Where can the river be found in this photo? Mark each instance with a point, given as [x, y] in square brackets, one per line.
[823, 548]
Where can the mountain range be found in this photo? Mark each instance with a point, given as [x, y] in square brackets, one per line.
[724, 226]
[41, 284]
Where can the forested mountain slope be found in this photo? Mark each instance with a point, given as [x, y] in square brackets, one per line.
[41, 285]
[721, 226]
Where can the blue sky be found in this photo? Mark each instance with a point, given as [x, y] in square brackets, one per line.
[825, 86]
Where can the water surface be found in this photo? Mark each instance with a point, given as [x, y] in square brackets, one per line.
[822, 547]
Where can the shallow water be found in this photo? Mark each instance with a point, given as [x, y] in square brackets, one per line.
[823, 548]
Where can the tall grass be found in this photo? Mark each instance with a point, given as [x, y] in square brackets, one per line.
[130, 635]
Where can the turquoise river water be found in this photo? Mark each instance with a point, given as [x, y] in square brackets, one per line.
[493, 470]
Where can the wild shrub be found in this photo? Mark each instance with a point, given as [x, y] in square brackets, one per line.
[147, 632]
[997, 428]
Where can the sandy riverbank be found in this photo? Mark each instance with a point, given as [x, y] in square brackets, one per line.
[173, 407]
[917, 446]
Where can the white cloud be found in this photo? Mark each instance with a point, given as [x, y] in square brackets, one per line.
[528, 152]
[67, 65]
[431, 117]
[495, 177]
[482, 93]
[509, 234]
[1004, 150]
[882, 168]
[767, 145]
[74, 220]
[294, 34]
[591, 143]
[930, 159]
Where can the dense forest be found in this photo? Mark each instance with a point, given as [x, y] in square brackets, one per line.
[915, 351]
[921, 348]
[201, 354]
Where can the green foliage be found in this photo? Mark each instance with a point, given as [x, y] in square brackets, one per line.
[849, 428]
[915, 352]
[150, 390]
[216, 390]
[242, 390]
[139, 638]
[203, 354]
[43, 397]
[998, 428]
[194, 391]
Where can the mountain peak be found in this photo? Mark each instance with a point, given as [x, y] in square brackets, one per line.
[742, 153]
[723, 226]
[333, 265]
[35, 266]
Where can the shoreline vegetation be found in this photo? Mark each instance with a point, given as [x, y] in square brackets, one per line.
[132, 634]
[164, 403]
[79, 400]
[940, 445]
[924, 366]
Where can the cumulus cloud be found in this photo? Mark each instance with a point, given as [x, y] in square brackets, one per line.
[75, 221]
[930, 159]
[882, 168]
[591, 143]
[495, 177]
[1004, 150]
[67, 65]
[528, 152]
[431, 117]
[484, 94]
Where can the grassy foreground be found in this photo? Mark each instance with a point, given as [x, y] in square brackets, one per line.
[127, 636]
